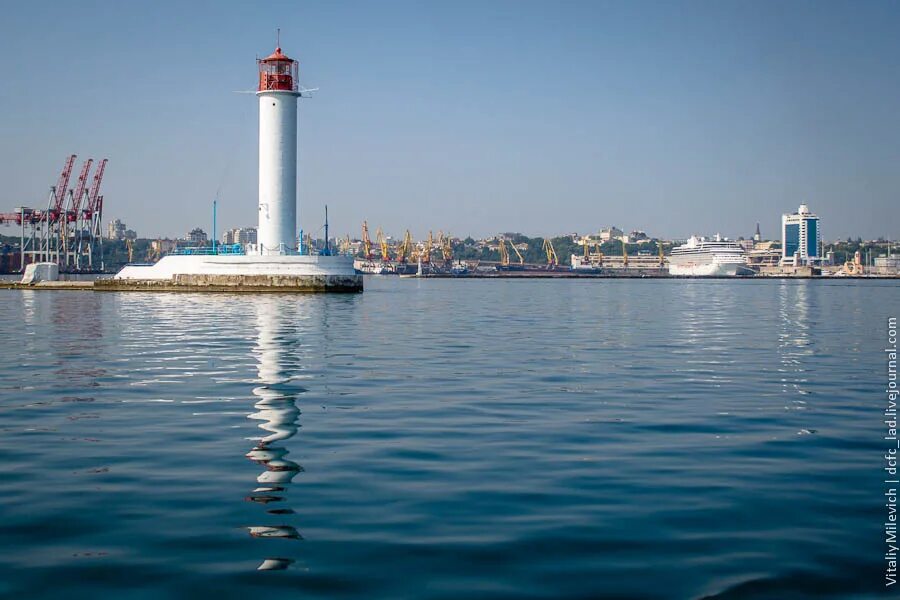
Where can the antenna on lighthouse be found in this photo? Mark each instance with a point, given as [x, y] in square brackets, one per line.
[278, 37]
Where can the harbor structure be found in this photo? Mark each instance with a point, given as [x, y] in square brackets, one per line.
[800, 238]
[68, 233]
[273, 262]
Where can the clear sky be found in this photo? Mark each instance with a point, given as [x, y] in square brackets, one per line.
[474, 117]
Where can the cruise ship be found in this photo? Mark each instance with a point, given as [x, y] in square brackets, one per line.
[703, 257]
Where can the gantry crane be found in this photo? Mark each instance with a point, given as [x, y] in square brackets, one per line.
[45, 234]
[59, 192]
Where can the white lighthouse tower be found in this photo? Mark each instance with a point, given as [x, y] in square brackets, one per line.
[273, 263]
[278, 95]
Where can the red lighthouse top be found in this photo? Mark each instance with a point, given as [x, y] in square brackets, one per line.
[277, 73]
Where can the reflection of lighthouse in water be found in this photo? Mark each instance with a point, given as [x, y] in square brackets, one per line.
[277, 413]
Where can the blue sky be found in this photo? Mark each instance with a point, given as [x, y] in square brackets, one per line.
[473, 117]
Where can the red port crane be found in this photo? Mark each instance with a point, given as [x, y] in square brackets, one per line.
[95, 200]
[78, 194]
[62, 186]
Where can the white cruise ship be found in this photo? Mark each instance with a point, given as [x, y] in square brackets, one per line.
[703, 257]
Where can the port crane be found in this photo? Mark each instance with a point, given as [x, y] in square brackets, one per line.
[504, 253]
[518, 254]
[59, 192]
[367, 243]
[383, 245]
[405, 249]
[624, 254]
[46, 235]
[426, 251]
[550, 251]
[446, 247]
[79, 193]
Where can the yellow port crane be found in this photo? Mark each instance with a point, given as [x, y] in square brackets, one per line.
[550, 251]
[404, 250]
[382, 243]
[446, 246]
[624, 254]
[504, 253]
[662, 255]
[426, 251]
[129, 243]
[367, 243]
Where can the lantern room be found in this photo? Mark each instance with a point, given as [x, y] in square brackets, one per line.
[277, 73]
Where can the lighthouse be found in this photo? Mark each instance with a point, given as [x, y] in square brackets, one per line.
[277, 95]
[272, 263]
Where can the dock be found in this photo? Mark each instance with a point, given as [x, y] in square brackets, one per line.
[76, 286]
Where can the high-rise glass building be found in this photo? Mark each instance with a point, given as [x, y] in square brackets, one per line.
[800, 238]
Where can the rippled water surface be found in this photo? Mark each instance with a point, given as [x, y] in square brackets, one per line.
[447, 439]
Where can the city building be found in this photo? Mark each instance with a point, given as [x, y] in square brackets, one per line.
[162, 246]
[800, 238]
[611, 233]
[637, 236]
[197, 237]
[887, 265]
[239, 235]
[115, 230]
[747, 245]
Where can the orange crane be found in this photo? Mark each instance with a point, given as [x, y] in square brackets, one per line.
[624, 255]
